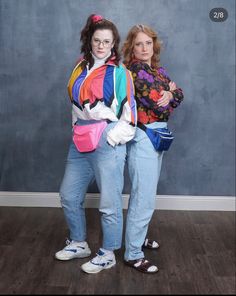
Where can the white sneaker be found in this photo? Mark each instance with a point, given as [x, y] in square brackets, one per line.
[73, 250]
[100, 262]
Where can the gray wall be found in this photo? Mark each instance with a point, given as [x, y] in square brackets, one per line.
[39, 43]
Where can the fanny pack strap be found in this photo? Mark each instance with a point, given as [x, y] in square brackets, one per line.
[96, 121]
[142, 126]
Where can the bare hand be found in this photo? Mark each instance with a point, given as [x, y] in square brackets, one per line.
[165, 99]
[172, 85]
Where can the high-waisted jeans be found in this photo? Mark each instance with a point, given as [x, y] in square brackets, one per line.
[106, 164]
[144, 164]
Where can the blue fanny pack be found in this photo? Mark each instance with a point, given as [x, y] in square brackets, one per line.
[161, 138]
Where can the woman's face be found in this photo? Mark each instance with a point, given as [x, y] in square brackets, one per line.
[102, 43]
[143, 48]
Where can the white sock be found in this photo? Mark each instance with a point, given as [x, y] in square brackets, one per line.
[108, 252]
[82, 244]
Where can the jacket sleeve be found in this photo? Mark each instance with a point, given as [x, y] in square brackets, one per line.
[148, 87]
[177, 93]
[126, 110]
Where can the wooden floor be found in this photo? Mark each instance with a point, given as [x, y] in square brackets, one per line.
[196, 255]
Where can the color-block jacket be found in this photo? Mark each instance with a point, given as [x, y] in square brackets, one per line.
[105, 93]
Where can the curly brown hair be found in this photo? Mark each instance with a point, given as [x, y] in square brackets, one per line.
[93, 24]
[128, 46]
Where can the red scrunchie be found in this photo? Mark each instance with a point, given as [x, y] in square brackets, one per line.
[96, 18]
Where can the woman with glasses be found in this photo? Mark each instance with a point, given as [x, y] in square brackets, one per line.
[156, 97]
[101, 92]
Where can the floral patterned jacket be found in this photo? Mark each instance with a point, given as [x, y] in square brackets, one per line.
[148, 84]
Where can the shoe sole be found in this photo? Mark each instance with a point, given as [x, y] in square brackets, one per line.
[140, 269]
[97, 271]
[74, 257]
[150, 248]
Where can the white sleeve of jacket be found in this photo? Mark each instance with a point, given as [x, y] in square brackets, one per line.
[125, 128]
[122, 132]
[99, 112]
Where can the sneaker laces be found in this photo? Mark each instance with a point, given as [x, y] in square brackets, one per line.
[74, 248]
[99, 257]
[68, 241]
[100, 260]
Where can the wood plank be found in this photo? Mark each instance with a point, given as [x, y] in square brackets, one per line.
[196, 255]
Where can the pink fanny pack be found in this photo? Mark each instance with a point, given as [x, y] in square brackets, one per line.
[86, 137]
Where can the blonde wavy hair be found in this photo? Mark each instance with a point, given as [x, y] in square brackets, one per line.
[128, 46]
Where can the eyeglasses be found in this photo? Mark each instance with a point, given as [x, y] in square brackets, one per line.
[105, 43]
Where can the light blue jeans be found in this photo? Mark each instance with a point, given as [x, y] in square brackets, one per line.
[144, 164]
[106, 164]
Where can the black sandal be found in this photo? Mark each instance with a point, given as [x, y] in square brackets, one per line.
[142, 265]
[150, 244]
